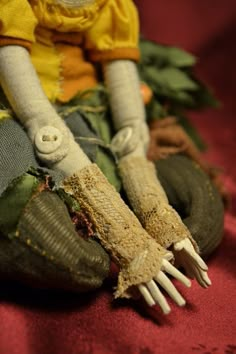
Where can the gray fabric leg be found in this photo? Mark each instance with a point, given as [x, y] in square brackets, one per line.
[16, 152]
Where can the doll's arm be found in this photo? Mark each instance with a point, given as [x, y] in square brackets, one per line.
[144, 191]
[54, 144]
[161, 221]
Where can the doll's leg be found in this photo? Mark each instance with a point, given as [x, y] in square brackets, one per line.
[38, 242]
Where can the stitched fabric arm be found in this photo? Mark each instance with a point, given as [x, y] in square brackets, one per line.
[128, 113]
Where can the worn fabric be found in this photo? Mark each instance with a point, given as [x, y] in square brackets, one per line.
[37, 223]
[59, 35]
[45, 226]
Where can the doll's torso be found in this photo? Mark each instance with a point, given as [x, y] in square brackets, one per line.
[65, 38]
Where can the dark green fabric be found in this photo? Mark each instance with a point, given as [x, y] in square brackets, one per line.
[13, 201]
[47, 251]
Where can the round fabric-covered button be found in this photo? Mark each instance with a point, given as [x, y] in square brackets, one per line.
[48, 139]
[125, 141]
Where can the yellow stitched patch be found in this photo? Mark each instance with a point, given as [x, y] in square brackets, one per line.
[47, 62]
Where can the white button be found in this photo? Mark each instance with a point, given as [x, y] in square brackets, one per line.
[48, 139]
[125, 141]
[122, 138]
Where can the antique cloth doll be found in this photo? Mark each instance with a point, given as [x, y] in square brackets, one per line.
[50, 51]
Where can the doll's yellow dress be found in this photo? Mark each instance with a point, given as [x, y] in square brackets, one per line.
[66, 42]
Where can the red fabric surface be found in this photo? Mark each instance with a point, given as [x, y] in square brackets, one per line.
[33, 322]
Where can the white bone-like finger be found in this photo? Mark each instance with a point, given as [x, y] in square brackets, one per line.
[169, 268]
[163, 280]
[206, 278]
[193, 268]
[199, 260]
[159, 298]
[178, 246]
[146, 295]
[202, 278]
[186, 246]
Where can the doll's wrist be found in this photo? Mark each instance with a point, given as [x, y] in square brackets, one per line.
[131, 139]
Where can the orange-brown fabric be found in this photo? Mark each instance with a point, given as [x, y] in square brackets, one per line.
[167, 138]
[119, 53]
[73, 38]
[76, 73]
[14, 41]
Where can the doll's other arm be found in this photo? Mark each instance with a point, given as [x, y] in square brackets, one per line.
[54, 144]
[139, 177]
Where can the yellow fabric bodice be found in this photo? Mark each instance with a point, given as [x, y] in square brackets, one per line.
[53, 15]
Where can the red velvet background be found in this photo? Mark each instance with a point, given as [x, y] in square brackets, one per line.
[33, 322]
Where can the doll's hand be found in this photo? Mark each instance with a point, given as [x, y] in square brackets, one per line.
[152, 294]
[195, 267]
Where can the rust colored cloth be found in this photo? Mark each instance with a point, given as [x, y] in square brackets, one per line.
[35, 322]
[167, 138]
